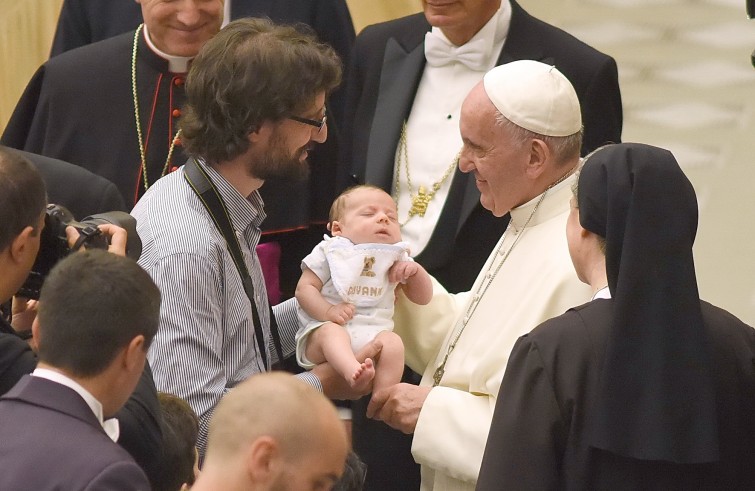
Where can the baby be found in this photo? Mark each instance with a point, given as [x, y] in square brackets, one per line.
[347, 288]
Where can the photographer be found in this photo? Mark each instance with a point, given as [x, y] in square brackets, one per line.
[25, 310]
[23, 202]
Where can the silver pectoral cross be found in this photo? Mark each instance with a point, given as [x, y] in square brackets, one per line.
[438, 375]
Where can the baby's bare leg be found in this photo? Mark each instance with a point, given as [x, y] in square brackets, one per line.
[390, 365]
[330, 342]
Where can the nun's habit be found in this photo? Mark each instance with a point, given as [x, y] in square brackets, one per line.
[652, 389]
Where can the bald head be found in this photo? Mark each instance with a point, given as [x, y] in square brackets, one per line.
[288, 430]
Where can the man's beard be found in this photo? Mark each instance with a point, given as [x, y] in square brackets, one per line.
[277, 163]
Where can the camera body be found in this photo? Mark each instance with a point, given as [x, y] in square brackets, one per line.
[53, 243]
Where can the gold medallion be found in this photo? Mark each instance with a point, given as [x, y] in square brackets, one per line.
[420, 201]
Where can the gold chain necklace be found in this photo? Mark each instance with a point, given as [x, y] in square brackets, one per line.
[421, 200]
[136, 116]
[488, 280]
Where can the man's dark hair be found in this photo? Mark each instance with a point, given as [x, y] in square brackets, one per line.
[354, 473]
[180, 429]
[92, 305]
[22, 195]
[252, 71]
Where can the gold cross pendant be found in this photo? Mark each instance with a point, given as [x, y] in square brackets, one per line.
[438, 375]
[420, 202]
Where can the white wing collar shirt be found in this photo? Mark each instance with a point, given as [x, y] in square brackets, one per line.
[432, 129]
[205, 344]
[111, 426]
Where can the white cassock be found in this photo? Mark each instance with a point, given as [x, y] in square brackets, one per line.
[536, 282]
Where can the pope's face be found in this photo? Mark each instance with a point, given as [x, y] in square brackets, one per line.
[181, 27]
[496, 160]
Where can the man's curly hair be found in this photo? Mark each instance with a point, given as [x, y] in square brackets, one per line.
[252, 71]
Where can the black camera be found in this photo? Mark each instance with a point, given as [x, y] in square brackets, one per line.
[53, 243]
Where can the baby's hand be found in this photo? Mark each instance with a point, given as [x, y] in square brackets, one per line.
[340, 313]
[402, 271]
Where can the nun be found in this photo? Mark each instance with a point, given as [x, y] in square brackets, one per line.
[646, 386]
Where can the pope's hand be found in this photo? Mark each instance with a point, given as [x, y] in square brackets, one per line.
[398, 406]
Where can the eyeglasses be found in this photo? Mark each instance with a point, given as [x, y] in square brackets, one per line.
[312, 122]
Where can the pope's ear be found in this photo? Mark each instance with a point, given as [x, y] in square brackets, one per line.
[539, 155]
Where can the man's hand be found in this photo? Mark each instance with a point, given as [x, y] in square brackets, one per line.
[117, 237]
[335, 386]
[398, 406]
[340, 313]
[24, 311]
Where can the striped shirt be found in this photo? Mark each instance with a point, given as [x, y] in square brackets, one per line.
[205, 344]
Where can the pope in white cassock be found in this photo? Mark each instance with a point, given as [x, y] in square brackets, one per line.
[522, 132]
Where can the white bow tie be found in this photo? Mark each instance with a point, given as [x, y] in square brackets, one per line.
[439, 52]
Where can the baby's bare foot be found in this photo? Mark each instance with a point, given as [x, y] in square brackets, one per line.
[363, 375]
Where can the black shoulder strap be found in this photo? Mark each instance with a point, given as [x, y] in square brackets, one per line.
[213, 203]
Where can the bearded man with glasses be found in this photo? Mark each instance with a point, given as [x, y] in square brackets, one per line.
[251, 115]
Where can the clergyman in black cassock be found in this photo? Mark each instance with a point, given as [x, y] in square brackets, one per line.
[80, 107]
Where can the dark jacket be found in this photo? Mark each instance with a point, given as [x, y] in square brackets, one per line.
[50, 439]
[539, 439]
[387, 64]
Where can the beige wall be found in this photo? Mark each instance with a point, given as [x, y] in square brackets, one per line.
[366, 12]
[27, 28]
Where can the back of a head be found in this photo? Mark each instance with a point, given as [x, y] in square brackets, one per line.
[353, 474]
[251, 72]
[536, 100]
[638, 198]
[92, 305]
[277, 405]
[180, 429]
[22, 195]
